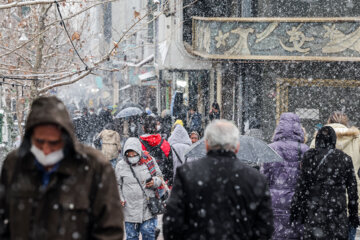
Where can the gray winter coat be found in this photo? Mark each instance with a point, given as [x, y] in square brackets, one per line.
[136, 209]
[179, 142]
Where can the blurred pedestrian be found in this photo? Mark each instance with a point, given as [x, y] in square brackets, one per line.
[93, 124]
[326, 191]
[105, 117]
[155, 111]
[177, 122]
[219, 197]
[166, 123]
[158, 148]
[180, 143]
[110, 143]
[194, 123]
[288, 142]
[194, 136]
[53, 187]
[214, 112]
[255, 129]
[138, 177]
[348, 140]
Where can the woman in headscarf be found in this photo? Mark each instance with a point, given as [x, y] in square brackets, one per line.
[320, 201]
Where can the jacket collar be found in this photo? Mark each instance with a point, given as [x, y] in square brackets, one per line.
[221, 153]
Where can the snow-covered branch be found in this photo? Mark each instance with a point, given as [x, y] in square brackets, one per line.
[27, 3]
[64, 83]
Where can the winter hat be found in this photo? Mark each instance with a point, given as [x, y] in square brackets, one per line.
[177, 122]
[325, 138]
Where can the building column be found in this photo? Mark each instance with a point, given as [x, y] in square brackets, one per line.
[186, 75]
[218, 84]
[115, 90]
[211, 86]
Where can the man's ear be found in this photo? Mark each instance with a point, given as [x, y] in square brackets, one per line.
[237, 148]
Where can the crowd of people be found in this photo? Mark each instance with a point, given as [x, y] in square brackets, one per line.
[53, 186]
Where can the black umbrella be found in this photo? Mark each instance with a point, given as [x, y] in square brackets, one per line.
[253, 151]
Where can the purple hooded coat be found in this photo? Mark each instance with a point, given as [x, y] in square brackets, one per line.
[282, 176]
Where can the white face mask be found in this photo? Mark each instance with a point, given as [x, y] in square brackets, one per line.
[133, 160]
[158, 127]
[47, 160]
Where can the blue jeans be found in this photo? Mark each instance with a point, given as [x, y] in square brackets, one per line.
[147, 230]
[352, 233]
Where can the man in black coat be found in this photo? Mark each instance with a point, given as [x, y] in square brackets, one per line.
[219, 197]
[326, 198]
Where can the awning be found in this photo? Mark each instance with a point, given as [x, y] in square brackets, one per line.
[147, 76]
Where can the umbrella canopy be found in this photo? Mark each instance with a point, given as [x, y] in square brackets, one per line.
[129, 112]
[130, 104]
[253, 151]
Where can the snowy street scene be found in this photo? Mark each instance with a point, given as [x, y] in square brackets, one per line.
[180, 119]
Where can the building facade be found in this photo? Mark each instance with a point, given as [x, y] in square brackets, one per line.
[262, 58]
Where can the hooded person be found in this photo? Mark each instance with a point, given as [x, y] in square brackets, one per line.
[180, 143]
[326, 191]
[54, 187]
[288, 142]
[166, 122]
[137, 167]
[348, 140]
[110, 143]
[158, 148]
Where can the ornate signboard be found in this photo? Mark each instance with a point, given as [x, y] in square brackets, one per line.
[323, 39]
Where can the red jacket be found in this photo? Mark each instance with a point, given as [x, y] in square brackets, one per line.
[154, 140]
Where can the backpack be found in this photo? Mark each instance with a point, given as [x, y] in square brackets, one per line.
[165, 163]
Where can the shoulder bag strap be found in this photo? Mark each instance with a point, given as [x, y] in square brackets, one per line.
[177, 155]
[299, 151]
[323, 159]
[133, 172]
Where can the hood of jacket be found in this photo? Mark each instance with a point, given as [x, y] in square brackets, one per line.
[109, 133]
[49, 110]
[289, 128]
[132, 144]
[179, 135]
[344, 134]
[153, 139]
[326, 138]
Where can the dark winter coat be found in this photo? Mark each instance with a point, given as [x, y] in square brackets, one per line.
[81, 200]
[214, 115]
[165, 162]
[320, 200]
[282, 176]
[218, 197]
[195, 122]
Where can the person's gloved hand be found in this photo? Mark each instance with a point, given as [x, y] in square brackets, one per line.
[354, 221]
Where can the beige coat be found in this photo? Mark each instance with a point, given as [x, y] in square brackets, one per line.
[348, 140]
[110, 144]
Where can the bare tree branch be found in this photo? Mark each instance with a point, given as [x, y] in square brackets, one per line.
[59, 84]
[27, 3]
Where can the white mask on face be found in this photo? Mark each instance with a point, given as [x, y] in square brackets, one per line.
[133, 160]
[47, 160]
[158, 127]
